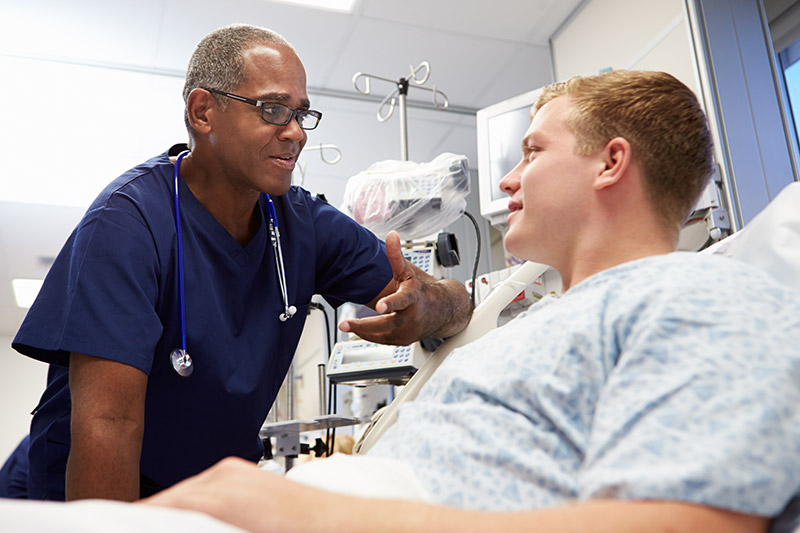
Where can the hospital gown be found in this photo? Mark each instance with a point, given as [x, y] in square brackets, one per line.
[672, 377]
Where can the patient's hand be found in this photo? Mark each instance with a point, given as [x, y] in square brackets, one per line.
[239, 493]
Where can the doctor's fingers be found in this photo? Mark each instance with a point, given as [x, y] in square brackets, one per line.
[394, 252]
[394, 328]
[404, 298]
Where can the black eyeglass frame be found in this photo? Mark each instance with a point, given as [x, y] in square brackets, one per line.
[295, 113]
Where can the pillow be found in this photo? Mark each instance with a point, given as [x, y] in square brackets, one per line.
[771, 240]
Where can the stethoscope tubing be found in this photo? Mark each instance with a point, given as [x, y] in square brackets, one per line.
[181, 361]
[177, 213]
[275, 237]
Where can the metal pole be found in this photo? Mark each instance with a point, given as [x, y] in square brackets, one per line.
[402, 87]
[290, 393]
[321, 376]
[288, 460]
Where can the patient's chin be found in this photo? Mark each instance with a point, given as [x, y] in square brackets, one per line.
[515, 247]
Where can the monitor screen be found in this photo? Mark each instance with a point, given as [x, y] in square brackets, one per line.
[505, 141]
[500, 130]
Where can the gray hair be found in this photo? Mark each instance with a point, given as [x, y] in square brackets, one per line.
[217, 61]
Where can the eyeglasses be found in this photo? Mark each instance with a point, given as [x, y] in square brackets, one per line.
[278, 114]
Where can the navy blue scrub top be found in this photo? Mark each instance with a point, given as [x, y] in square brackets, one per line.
[111, 293]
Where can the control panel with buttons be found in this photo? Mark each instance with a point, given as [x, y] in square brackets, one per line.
[361, 362]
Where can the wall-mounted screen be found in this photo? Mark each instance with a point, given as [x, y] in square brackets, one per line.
[500, 130]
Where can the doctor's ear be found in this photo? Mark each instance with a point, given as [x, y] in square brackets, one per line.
[200, 105]
[617, 157]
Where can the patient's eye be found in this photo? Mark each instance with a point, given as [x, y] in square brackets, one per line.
[531, 152]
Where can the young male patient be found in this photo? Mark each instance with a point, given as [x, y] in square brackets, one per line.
[659, 392]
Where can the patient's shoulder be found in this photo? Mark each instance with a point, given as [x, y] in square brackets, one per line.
[702, 292]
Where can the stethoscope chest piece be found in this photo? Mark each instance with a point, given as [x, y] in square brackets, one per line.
[181, 362]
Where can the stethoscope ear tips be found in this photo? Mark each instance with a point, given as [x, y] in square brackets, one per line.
[290, 311]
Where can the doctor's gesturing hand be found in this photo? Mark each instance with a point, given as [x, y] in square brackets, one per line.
[413, 306]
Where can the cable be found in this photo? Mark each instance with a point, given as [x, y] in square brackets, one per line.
[321, 307]
[333, 431]
[328, 429]
[332, 394]
[330, 434]
[477, 256]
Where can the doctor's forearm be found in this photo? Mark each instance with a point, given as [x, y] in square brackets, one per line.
[107, 427]
[104, 461]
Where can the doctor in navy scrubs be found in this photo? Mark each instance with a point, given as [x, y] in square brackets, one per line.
[117, 420]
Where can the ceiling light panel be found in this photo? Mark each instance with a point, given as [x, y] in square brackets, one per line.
[342, 6]
[25, 291]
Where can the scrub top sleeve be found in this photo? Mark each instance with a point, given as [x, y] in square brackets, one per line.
[100, 295]
[351, 261]
[701, 408]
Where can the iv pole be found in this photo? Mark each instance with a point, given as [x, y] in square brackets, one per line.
[398, 96]
[321, 147]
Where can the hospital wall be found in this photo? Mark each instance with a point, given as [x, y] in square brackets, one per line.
[649, 36]
[22, 381]
[631, 35]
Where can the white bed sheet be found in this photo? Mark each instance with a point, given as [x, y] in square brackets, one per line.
[102, 516]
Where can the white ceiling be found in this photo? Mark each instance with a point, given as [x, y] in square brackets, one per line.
[480, 53]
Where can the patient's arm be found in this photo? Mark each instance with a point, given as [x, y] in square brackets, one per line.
[239, 493]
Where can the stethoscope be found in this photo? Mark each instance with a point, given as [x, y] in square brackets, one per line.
[180, 358]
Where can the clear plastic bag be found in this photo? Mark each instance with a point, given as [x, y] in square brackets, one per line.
[414, 199]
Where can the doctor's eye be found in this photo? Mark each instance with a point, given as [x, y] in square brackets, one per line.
[276, 112]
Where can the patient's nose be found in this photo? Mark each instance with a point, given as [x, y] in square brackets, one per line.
[510, 182]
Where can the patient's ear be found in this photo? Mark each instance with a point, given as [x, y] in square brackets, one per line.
[617, 158]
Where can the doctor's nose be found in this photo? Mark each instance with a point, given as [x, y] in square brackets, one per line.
[292, 131]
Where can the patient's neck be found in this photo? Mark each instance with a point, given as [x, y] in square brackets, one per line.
[604, 249]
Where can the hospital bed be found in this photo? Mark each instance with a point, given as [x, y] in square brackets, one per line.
[101, 516]
[771, 241]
